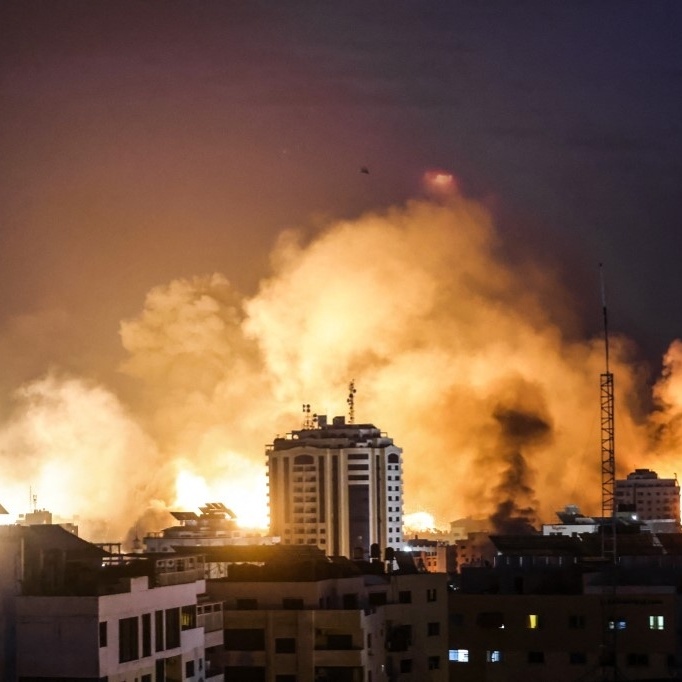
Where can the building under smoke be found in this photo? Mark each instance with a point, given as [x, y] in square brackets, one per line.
[337, 486]
[654, 500]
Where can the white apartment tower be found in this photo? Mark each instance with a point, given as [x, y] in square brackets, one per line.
[338, 486]
[654, 499]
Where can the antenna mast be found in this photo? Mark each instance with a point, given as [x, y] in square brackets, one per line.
[608, 450]
[351, 402]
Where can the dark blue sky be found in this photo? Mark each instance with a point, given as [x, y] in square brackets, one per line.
[142, 141]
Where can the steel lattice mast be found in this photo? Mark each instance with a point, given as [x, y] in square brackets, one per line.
[608, 447]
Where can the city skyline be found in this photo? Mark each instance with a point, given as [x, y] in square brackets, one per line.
[210, 216]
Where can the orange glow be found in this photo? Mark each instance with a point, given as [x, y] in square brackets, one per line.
[466, 362]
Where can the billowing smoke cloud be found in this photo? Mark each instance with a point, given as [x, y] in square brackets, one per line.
[457, 355]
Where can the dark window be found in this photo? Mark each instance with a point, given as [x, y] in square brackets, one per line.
[289, 603]
[247, 604]
[536, 656]
[128, 647]
[244, 639]
[406, 665]
[189, 668]
[434, 662]
[393, 459]
[145, 678]
[358, 477]
[638, 659]
[576, 622]
[340, 642]
[432, 629]
[172, 628]
[358, 467]
[456, 620]
[244, 673]
[103, 634]
[189, 617]
[491, 620]
[285, 645]
[577, 658]
[377, 598]
[405, 597]
[350, 601]
[285, 678]
[431, 594]
[146, 634]
[158, 631]
[160, 668]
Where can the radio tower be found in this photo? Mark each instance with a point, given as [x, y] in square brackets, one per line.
[351, 402]
[608, 451]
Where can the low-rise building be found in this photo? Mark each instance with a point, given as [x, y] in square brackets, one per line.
[331, 621]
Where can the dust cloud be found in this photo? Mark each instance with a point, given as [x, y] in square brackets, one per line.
[456, 354]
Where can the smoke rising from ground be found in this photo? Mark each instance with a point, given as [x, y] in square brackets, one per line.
[461, 358]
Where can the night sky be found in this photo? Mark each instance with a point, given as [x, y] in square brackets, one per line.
[142, 142]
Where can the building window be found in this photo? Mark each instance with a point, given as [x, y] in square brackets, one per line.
[656, 623]
[432, 629]
[128, 647]
[431, 594]
[406, 665]
[617, 623]
[247, 604]
[493, 656]
[458, 655]
[577, 658]
[405, 597]
[146, 635]
[638, 660]
[285, 645]
[172, 628]
[158, 631]
[536, 656]
[285, 678]
[533, 621]
[291, 603]
[189, 668]
[103, 634]
[490, 620]
[244, 639]
[576, 622]
[434, 662]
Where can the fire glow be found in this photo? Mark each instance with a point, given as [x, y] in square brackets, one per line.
[453, 352]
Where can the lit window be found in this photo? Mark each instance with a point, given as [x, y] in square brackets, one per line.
[458, 655]
[617, 624]
[533, 621]
[494, 656]
[656, 623]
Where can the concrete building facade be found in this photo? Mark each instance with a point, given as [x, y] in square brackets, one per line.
[338, 486]
[654, 500]
[351, 628]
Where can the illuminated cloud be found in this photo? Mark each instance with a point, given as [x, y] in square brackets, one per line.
[455, 354]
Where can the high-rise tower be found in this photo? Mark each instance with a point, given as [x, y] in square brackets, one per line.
[337, 486]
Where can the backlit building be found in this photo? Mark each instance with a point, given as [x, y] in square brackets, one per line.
[338, 486]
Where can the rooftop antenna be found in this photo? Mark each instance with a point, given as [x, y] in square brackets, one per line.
[608, 450]
[351, 402]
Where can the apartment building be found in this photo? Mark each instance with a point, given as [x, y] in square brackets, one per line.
[328, 621]
[72, 611]
[655, 501]
[552, 610]
[338, 486]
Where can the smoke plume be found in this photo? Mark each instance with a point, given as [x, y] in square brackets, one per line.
[457, 355]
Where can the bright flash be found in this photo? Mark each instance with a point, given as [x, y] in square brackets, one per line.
[439, 182]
